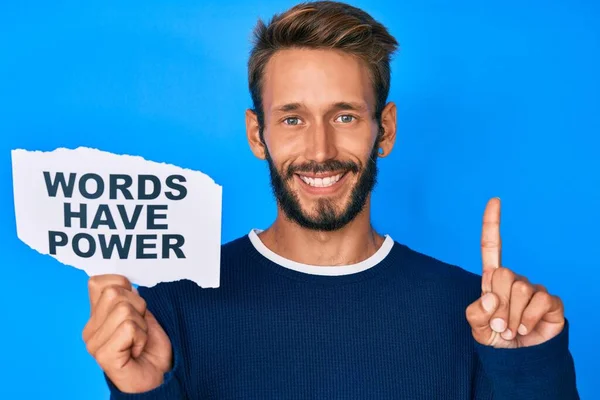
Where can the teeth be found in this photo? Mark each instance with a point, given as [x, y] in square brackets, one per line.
[321, 182]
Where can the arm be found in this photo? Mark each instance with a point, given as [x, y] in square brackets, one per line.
[520, 330]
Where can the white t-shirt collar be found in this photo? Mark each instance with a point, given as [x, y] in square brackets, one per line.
[375, 259]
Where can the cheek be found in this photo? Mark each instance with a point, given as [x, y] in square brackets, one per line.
[358, 140]
[357, 151]
[284, 150]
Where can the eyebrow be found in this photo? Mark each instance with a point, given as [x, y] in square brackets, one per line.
[288, 107]
[341, 105]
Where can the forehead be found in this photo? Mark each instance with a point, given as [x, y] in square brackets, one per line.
[316, 79]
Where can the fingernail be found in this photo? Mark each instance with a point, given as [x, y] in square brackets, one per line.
[135, 290]
[498, 325]
[507, 334]
[522, 330]
[488, 301]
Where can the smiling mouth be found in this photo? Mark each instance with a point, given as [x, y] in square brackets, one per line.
[321, 180]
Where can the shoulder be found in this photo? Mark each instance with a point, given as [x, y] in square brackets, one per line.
[232, 253]
[171, 301]
[235, 249]
[440, 275]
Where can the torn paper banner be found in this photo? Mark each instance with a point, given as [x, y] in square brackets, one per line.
[119, 214]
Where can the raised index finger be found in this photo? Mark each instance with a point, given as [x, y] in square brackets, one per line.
[491, 244]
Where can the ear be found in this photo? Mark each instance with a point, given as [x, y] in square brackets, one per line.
[388, 122]
[253, 135]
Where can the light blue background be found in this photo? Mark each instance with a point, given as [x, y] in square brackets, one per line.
[493, 99]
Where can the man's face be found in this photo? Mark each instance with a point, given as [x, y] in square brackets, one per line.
[320, 135]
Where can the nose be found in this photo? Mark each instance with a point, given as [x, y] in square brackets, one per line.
[320, 143]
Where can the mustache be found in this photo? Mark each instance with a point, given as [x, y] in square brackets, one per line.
[327, 166]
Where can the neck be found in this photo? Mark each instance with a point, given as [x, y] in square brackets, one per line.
[351, 244]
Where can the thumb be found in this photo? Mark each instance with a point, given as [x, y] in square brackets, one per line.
[479, 314]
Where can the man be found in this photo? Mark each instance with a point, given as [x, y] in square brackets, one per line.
[320, 305]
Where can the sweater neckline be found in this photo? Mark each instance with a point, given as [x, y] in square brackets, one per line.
[372, 266]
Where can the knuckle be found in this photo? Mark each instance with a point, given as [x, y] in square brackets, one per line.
[504, 273]
[540, 288]
[88, 347]
[120, 280]
[544, 298]
[522, 288]
[102, 357]
[85, 332]
[530, 316]
[111, 293]
[129, 327]
[489, 241]
[124, 310]
[143, 304]
[471, 312]
[97, 281]
[94, 283]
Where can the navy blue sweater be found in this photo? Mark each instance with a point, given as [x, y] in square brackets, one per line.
[396, 330]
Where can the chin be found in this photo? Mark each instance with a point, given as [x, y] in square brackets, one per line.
[314, 205]
[324, 207]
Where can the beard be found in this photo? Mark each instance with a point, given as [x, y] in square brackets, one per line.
[326, 216]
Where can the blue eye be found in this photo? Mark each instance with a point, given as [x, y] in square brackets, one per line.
[346, 118]
[292, 121]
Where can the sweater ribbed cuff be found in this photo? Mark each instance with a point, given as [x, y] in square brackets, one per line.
[543, 371]
[170, 389]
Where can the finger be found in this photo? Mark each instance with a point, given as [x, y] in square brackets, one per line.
[109, 297]
[491, 246]
[122, 312]
[540, 288]
[96, 285]
[519, 277]
[117, 351]
[542, 306]
[521, 294]
[502, 282]
[478, 314]
[114, 294]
